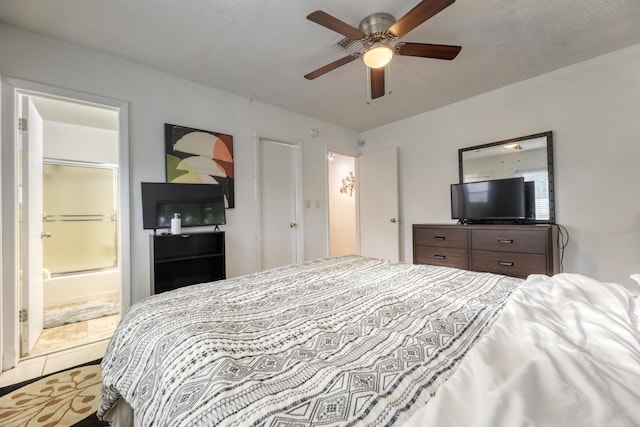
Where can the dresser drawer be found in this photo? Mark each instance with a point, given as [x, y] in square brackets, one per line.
[454, 237]
[512, 250]
[510, 240]
[509, 263]
[447, 257]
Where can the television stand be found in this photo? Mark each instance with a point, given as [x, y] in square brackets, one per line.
[179, 260]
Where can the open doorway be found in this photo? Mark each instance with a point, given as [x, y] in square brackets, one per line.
[342, 189]
[69, 211]
[23, 236]
[363, 204]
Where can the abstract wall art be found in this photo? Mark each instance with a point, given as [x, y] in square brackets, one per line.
[197, 156]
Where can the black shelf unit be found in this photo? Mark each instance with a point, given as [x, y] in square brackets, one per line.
[185, 259]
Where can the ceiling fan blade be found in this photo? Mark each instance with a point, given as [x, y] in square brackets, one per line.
[425, 50]
[330, 67]
[377, 82]
[328, 21]
[416, 16]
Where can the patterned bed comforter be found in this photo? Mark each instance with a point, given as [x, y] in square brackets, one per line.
[338, 341]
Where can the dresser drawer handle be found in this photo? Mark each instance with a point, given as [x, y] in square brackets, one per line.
[505, 241]
[506, 263]
[439, 237]
[439, 256]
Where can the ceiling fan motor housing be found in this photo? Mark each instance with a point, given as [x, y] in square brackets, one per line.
[377, 23]
[375, 26]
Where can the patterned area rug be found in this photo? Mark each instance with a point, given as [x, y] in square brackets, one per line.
[65, 399]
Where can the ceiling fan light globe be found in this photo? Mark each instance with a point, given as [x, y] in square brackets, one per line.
[377, 56]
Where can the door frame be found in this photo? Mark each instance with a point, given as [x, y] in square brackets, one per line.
[298, 193]
[9, 215]
[32, 254]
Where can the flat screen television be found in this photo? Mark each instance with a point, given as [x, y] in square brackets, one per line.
[530, 199]
[198, 204]
[489, 201]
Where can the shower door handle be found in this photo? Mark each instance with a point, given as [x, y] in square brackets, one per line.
[46, 234]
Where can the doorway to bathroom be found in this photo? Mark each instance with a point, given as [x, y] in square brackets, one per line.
[343, 204]
[69, 213]
[363, 204]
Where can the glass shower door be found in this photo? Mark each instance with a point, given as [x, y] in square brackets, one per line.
[80, 222]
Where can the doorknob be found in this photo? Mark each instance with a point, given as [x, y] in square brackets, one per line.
[293, 225]
[393, 220]
[46, 234]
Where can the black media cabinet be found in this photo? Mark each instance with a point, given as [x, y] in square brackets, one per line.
[179, 260]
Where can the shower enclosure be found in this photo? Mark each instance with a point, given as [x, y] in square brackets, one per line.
[80, 247]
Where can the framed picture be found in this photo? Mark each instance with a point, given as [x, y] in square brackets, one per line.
[198, 156]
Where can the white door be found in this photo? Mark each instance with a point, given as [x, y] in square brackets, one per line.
[379, 222]
[32, 291]
[280, 232]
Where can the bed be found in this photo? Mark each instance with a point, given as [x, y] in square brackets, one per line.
[359, 341]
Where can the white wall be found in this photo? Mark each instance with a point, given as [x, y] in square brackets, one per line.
[80, 143]
[156, 98]
[593, 109]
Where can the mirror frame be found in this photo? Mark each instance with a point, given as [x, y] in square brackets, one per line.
[549, 136]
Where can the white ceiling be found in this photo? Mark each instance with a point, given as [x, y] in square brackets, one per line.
[262, 49]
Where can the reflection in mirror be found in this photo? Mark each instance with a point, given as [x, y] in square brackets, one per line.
[529, 156]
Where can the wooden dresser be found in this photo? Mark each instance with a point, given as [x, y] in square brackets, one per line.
[512, 250]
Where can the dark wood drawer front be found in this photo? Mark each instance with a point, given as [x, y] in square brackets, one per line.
[448, 257]
[440, 237]
[508, 263]
[510, 240]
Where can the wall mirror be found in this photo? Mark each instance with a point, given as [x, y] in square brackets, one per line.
[529, 156]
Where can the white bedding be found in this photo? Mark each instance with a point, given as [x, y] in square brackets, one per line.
[564, 352]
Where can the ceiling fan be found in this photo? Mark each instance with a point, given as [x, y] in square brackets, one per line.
[379, 34]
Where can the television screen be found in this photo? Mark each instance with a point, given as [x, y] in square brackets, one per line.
[530, 199]
[488, 200]
[197, 204]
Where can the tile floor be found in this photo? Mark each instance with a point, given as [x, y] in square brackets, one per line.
[74, 334]
[63, 347]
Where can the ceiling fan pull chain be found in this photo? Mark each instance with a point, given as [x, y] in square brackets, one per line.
[367, 82]
[387, 77]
